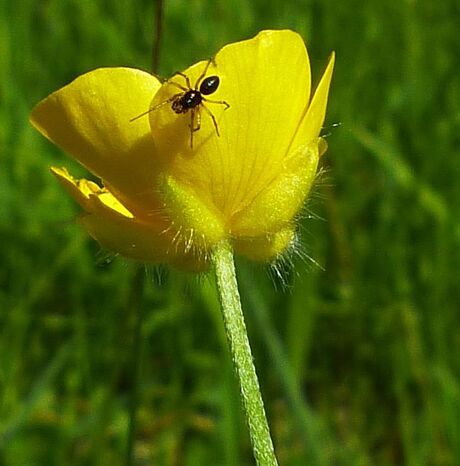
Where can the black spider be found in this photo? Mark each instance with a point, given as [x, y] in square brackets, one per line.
[193, 99]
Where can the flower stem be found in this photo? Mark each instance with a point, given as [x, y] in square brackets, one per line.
[241, 355]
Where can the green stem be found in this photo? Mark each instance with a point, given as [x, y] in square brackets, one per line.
[241, 354]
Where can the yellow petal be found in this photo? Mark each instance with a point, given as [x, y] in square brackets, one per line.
[313, 120]
[107, 200]
[265, 248]
[90, 119]
[81, 195]
[127, 237]
[89, 195]
[137, 240]
[266, 82]
[115, 228]
[276, 206]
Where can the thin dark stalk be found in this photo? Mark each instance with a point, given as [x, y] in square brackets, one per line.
[137, 288]
[136, 307]
[157, 35]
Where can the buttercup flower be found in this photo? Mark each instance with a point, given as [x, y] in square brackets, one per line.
[165, 201]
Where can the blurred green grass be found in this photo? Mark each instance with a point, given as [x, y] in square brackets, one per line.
[358, 363]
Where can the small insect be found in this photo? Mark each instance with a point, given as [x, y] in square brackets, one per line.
[193, 99]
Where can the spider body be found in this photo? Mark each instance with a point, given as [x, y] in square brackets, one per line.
[186, 102]
[193, 99]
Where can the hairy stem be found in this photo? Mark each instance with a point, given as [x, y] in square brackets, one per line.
[241, 354]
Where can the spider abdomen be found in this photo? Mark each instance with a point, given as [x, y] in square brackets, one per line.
[209, 85]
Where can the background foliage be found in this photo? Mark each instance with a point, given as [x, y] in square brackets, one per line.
[358, 362]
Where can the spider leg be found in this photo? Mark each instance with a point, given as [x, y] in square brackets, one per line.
[156, 107]
[177, 85]
[221, 102]
[187, 79]
[192, 126]
[198, 119]
[203, 74]
[213, 118]
[192, 123]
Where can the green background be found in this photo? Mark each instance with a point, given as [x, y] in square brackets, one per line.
[358, 357]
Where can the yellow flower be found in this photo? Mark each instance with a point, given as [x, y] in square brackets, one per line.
[165, 200]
